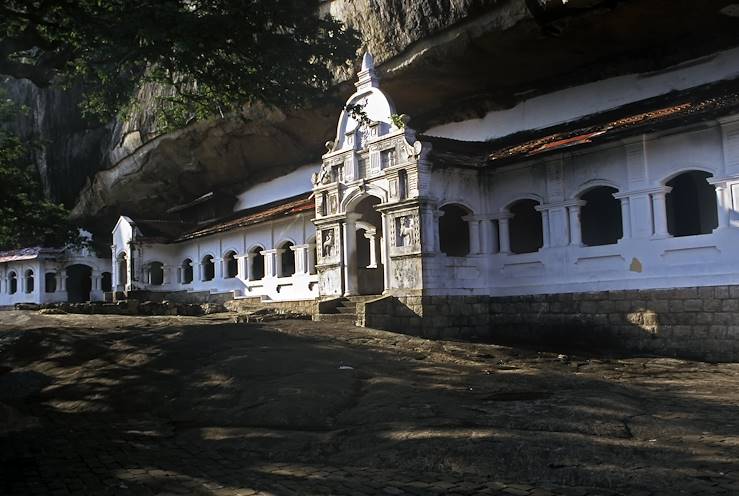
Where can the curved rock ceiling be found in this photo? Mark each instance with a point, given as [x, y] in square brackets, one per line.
[440, 60]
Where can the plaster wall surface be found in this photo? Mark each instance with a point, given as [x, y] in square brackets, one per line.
[269, 238]
[646, 256]
[290, 184]
[57, 266]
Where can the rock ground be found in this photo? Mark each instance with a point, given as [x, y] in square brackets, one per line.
[202, 405]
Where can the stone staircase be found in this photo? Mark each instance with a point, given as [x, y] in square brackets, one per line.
[345, 309]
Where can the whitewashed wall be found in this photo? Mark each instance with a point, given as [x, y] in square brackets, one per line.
[40, 267]
[269, 236]
[646, 256]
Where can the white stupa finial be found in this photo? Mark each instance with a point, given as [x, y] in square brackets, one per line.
[368, 61]
[367, 77]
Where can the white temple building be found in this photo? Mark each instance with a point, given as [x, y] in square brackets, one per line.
[51, 275]
[624, 184]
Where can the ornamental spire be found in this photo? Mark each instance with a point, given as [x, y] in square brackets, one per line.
[367, 77]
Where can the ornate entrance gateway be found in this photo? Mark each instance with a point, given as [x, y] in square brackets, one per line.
[367, 206]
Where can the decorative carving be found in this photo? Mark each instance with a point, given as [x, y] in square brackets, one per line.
[328, 243]
[323, 176]
[333, 204]
[406, 231]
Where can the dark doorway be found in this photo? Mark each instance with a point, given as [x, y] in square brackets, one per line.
[79, 283]
[106, 282]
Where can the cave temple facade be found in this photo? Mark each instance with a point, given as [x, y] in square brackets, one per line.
[618, 193]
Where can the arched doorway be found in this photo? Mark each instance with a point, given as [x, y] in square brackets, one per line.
[79, 283]
[364, 269]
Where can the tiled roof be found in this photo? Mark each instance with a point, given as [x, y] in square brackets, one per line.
[27, 253]
[263, 213]
[665, 111]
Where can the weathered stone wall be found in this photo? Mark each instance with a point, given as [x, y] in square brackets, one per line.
[695, 322]
[308, 307]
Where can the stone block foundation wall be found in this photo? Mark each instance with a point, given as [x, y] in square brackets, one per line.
[694, 322]
[308, 307]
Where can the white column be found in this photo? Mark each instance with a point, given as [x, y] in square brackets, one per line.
[626, 217]
[505, 236]
[241, 267]
[248, 273]
[575, 228]
[545, 238]
[64, 280]
[270, 263]
[486, 240]
[474, 228]
[660, 213]
[311, 255]
[218, 268]
[300, 259]
[372, 249]
[723, 205]
[166, 274]
[437, 242]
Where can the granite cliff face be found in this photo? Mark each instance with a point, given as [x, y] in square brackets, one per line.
[441, 60]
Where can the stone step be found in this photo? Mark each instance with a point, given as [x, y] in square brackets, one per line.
[362, 298]
[347, 309]
[336, 317]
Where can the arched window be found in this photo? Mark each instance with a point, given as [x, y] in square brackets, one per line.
[454, 232]
[12, 283]
[122, 270]
[29, 281]
[187, 271]
[208, 268]
[106, 282]
[287, 260]
[50, 282]
[525, 230]
[231, 265]
[402, 184]
[156, 273]
[691, 205]
[256, 258]
[600, 217]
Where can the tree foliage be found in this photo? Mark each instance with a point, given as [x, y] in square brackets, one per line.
[26, 217]
[207, 56]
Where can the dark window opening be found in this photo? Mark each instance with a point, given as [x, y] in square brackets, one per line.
[402, 184]
[454, 232]
[29, 281]
[525, 228]
[257, 264]
[209, 268]
[12, 283]
[50, 282]
[691, 205]
[156, 273]
[287, 260]
[187, 271]
[106, 281]
[600, 217]
[232, 265]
